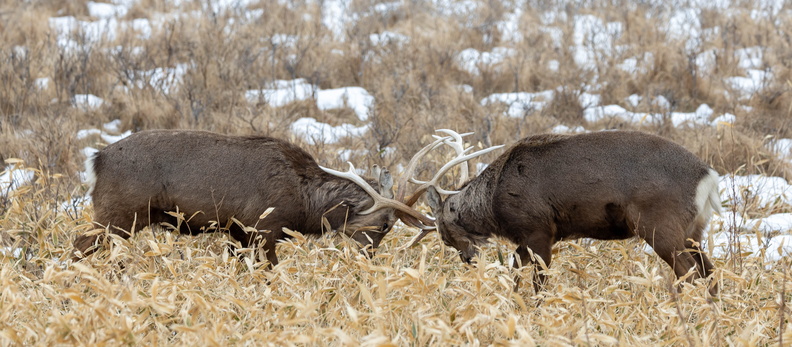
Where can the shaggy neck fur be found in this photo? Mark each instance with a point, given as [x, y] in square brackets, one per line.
[473, 205]
[335, 199]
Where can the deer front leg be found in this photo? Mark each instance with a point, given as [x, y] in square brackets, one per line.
[541, 248]
[256, 240]
[269, 249]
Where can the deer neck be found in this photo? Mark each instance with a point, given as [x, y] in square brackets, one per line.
[475, 206]
[331, 199]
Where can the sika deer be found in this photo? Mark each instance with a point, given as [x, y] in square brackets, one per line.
[214, 179]
[607, 185]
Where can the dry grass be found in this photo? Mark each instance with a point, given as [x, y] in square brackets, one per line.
[159, 288]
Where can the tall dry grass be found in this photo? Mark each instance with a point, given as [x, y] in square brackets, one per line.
[160, 288]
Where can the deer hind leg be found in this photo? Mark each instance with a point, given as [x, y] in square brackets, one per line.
[670, 245]
[703, 264]
[541, 246]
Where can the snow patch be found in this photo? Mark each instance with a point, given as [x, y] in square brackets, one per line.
[783, 147]
[388, 37]
[9, 252]
[520, 104]
[755, 189]
[749, 58]
[347, 154]
[109, 139]
[634, 100]
[281, 92]
[480, 167]
[563, 129]
[593, 39]
[113, 126]
[509, 27]
[553, 65]
[87, 101]
[685, 25]
[43, 83]
[164, 79]
[471, 60]
[754, 82]
[83, 133]
[103, 10]
[638, 65]
[315, 132]
[724, 119]
[356, 98]
[12, 177]
[756, 239]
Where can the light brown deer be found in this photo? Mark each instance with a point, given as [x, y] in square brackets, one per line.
[225, 183]
[605, 185]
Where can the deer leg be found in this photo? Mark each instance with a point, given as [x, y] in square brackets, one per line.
[520, 253]
[85, 245]
[254, 240]
[672, 250]
[542, 248]
[272, 257]
[703, 263]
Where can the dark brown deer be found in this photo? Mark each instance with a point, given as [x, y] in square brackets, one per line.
[225, 183]
[605, 185]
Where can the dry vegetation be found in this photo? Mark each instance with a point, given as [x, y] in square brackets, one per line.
[161, 288]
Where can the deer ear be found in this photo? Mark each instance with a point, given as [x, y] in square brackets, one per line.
[386, 184]
[433, 198]
[375, 172]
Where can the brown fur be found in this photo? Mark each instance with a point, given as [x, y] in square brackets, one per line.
[605, 185]
[212, 178]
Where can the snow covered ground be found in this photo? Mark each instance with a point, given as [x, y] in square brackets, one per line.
[13, 176]
[593, 39]
[769, 236]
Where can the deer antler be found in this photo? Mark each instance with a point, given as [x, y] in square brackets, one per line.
[380, 201]
[402, 205]
[409, 170]
[461, 158]
[459, 147]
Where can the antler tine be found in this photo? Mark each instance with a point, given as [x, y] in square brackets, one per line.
[413, 222]
[407, 175]
[380, 201]
[423, 185]
[409, 170]
[459, 147]
[354, 177]
[461, 159]
[420, 237]
[417, 238]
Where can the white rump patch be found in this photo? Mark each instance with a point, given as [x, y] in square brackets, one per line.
[707, 197]
[90, 173]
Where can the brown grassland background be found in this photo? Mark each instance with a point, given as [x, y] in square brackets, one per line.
[162, 288]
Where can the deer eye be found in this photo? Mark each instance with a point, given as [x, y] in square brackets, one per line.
[385, 226]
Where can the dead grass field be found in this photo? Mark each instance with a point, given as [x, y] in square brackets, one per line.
[162, 288]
